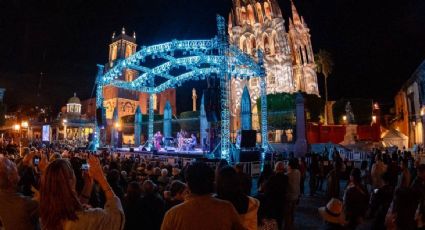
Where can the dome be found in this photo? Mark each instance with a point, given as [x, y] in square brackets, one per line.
[74, 100]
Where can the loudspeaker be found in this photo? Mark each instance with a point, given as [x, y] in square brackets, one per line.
[131, 150]
[99, 117]
[249, 156]
[248, 138]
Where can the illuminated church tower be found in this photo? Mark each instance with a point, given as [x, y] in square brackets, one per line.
[259, 24]
[126, 101]
[304, 72]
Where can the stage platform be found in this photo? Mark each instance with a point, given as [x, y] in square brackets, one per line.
[196, 153]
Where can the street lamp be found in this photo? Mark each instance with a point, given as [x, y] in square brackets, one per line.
[374, 119]
[24, 124]
[344, 119]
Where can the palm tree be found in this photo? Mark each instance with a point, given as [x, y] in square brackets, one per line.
[324, 65]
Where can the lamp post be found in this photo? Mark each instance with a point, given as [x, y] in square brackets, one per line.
[17, 128]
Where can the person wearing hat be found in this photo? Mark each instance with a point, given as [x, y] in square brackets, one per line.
[333, 215]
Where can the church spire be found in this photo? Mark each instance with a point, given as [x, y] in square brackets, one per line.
[295, 15]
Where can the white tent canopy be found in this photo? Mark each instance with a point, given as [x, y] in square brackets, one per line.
[393, 137]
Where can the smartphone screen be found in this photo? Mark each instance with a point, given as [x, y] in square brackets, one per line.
[36, 161]
[85, 166]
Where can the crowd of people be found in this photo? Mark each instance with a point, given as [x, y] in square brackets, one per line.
[60, 189]
[385, 192]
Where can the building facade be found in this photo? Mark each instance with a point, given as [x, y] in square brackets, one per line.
[288, 54]
[410, 107]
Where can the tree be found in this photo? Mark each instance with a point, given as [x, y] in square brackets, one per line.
[324, 65]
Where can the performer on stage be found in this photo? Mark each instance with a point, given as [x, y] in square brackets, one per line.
[179, 140]
[157, 140]
[193, 142]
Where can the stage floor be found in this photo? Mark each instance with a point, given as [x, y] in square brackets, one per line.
[197, 152]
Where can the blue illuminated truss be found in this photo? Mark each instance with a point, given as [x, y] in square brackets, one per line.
[194, 60]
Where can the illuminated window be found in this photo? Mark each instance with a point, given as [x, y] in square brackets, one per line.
[114, 52]
[155, 102]
[251, 15]
[253, 44]
[266, 45]
[128, 76]
[267, 10]
[254, 82]
[128, 50]
[242, 14]
[259, 12]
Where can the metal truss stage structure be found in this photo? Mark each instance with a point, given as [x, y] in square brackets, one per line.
[185, 60]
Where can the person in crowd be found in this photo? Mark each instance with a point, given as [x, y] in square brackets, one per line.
[418, 185]
[229, 188]
[314, 171]
[27, 172]
[380, 202]
[153, 206]
[133, 206]
[303, 171]
[378, 169]
[401, 214]
[292, 192]
[356, 200]
[245, 179]
[264, 176]
[404, 179]
[114, 177]
[164, 179]
[201, 210]
[333, 177]
[16, 210]
[393, 169]
[176, 174]
[364, 169]
[176, 195]
[273, 199]
[332, 215]
[60, 207]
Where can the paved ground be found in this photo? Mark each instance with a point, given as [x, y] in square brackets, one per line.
[306, 214]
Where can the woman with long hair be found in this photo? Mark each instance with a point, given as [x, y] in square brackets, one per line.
[229, 188]
[60, 207]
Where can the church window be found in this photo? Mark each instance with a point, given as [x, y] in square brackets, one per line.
[114, 52]
[253, 45]
[259, 12]
[128, 50]
[276, 43]
[254, 82]
[251, 15]
[266, 45]
[155, 102]
[243, 16]
[272, 80]
[268, 10]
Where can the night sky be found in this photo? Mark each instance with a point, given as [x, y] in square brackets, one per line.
[376, 45]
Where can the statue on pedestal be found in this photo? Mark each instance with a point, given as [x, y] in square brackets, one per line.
[349, 113]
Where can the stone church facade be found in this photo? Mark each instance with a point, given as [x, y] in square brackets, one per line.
[288, 54]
